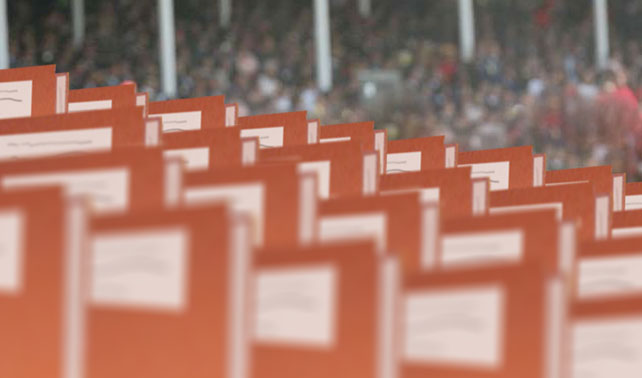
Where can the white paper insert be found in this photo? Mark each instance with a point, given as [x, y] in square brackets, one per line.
[140, 268]
[454, 326]
[335, 139]
[180, 121]
[498, 173]
[322, 170]
[607, 348]
[403, 162]
[610, 276]
[369, 226]
[242, 198]
[14, 146]
[557, 206]
[196, 158]
[15, 99]
[426, 195]
[11, 250]
[296, 305]
[633, 202]
[81, 106]
[624, 232]
[108, 189]
[482, 247]
[269, 137]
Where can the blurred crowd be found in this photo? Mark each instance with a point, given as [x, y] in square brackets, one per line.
[532, 81]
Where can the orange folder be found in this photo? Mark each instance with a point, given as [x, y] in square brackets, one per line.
[32, 283]
[362, 132]
[166, 294]
[28, 91]
[190, 113]
[100, 98]
[395, 223]
[71, 133]
[530, 237]
[601, 177]
[115, 182]
[573, 202]
[210, 148]
[415, 154]
[507, 168]
[278, 129]
[343, 167]
[453, 189]
[492, 322]
[322, 312]
[280, 202]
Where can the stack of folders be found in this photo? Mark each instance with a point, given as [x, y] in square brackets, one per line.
[177, 239]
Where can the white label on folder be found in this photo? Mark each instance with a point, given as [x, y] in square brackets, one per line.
[242, 198]
[451, 156]
[11, 250]
[141, 100]
[230, 115]
[322, 170]
[403, 162]
[538, 170]
[567, 183]
[624, 232]
[498, 173]
[335, 139]
[370, 226]
[482, 247]
[610, 276]
[607, 348]
[557, 206]
[197, 158]
[82, 106]
[426, 195]
[61, 93]
[14, 146]
[269, 137]
[633, 202]
[180, 121]
[15, 99]
[296, 305]
[454, 326]
[618, 192]
[108, 189]
[140, 269]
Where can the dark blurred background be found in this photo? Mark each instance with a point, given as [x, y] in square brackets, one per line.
[533, 79]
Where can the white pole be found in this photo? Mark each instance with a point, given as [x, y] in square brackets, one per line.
[466, 30]
[322, 38]
[365, 7]
[78, 16]
[601, 23]
[4, 35]
[167, 46]
[225, 12]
